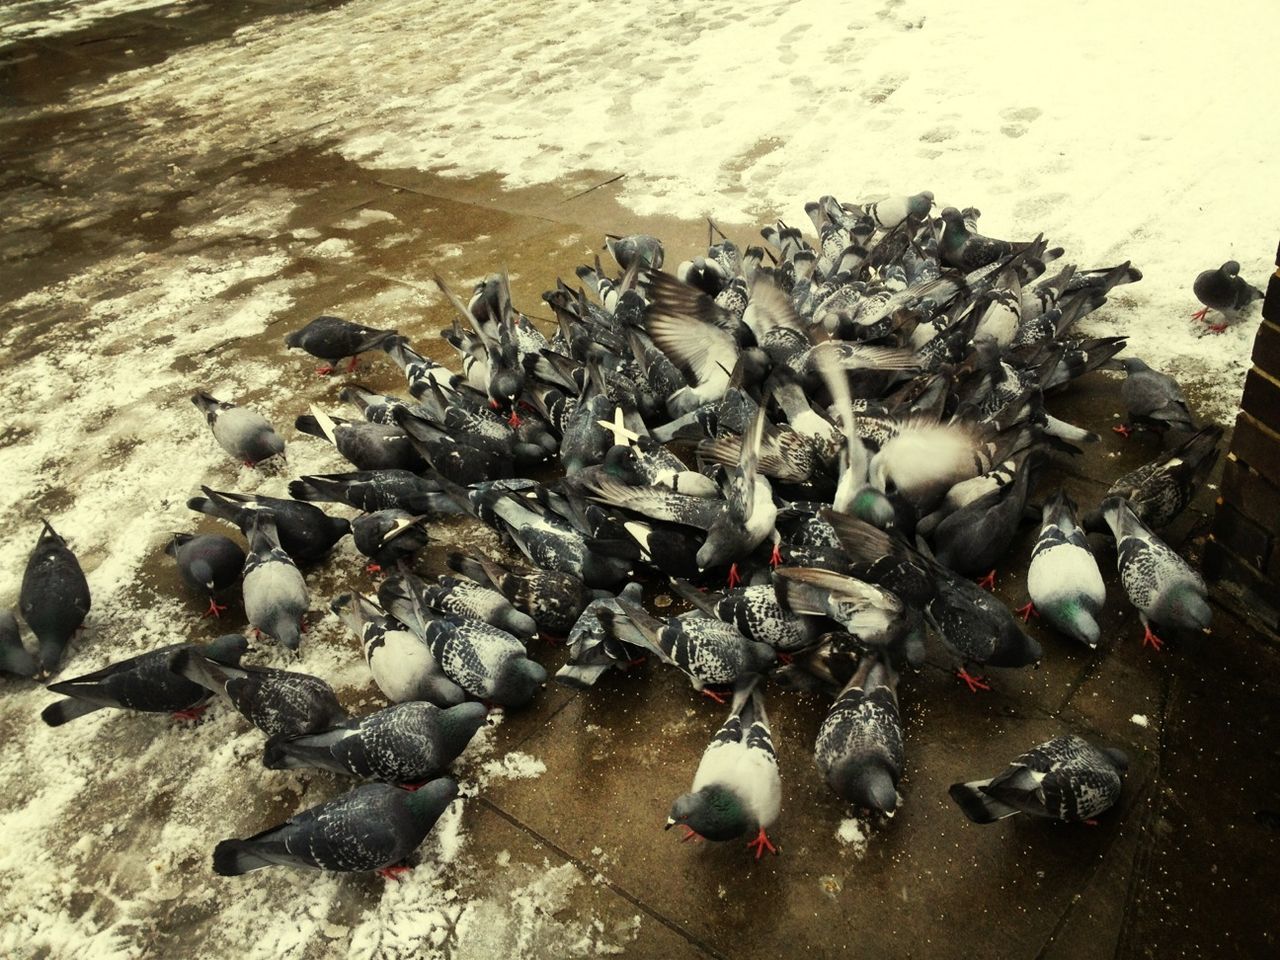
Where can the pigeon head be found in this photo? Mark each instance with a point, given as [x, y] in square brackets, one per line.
[1230, 268]
[227, 649]
[517, 680]
[1073, 618]
[202, 572]
[1119, 758]
[1015, 648]
[952, 217]
[875, 507]
[1184, 608]
[714, 812]
[620, 462]
[760, 656]
[920, 204]
[1132, 365]
[459, 724]
[429, 801]
[869, 786]
[723, 541]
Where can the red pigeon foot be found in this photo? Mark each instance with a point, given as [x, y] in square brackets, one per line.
[975, 683]
[1200, 314]
[1123, 429]
[1028, 611]
[775, 558]
[690, 835]
[988, 582]
[352, 364]
[1150, 638]
[373, 568]
[712, 695]
[191, 713]
[514, 420]
[393, 873]
[324, 371]
[1217, 327]
[760, 844]
[216, 609]
[734, 577]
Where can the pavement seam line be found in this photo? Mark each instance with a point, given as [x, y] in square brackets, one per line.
[591, 871]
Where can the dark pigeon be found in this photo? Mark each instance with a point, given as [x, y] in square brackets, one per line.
[859, 746]
[306, 532]
[15, 658]
[334, 339]
[209, 563]
[54, 599]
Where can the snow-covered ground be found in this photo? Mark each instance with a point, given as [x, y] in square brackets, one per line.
[1121, 130]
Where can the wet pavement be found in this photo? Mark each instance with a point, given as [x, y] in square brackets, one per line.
[1186, 865]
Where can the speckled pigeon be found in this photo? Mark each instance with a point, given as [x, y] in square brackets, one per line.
[859, 745]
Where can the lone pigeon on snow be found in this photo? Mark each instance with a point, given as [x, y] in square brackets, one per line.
[1066, 778]
[1225, 291]
[373, 827]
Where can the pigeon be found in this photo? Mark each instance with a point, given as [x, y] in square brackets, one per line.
[402, 665]
[490, 664]
[756, 612]
[973, 539]
[54, 599]
[1063, 580]
[709, 652]
[872, 614]
[407, 743]
[280, 703]
[923, 461]
[371, 490]
[592, 653]
[467, 598]
[737, 790]
[859, 745]
[1066, 778]
[1225, 291]
[275, 595]
[1153, 399]
[978, 629]
[333, 339]
[144, 683]
[639, 250]
[1159, 583]
[373, 827]
[552, 599]
[1158, 491]
[306, 532]
[243, 433]
[421, 372]
[15, 659]
[367, 446]
[209, 563]
[389, 537]
[888, 213]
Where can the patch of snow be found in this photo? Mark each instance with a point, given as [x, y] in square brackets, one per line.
[1140, 720]
[26, 19]
[853, 833]
[334, 247]
[365, 218]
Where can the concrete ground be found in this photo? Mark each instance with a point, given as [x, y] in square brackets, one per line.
[1188, 863]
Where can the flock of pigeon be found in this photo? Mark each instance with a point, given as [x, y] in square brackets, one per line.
[844, 435]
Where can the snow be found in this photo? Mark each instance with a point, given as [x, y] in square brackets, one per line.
[1140, 720]
[853, 833]
[27, 19]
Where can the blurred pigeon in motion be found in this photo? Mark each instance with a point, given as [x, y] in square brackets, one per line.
[373, 827]
[209, 563]
[1225, 291]
[144, 683]
[1063, 579]
[305, 531]
[243, 433]
[275, 595]
[54, 599]
[1160, 490]
[280, 703]
[872, 614]
[15, 658]
[407, 743]
[1154, 400]
[400, 661]
[638, 250]
[1066, 779]
[592, 652]
[737, 791]
[333, 339]
[1159, 583]
[859, 746]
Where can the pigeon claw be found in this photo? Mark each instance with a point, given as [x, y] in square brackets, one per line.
[215, 610]
[714, 695]
[392, 872]
[690, 835]
[775, 558]
[1028, 611]
[514, 420]
[373, 568]
[1150, 638]
[735, 578]
[761, 843]
[1217, 328]
[353, 363]
[988, 582]
[1123, 429]
[975, 683]
[191, 713]
[324, 371]
[1200, 314]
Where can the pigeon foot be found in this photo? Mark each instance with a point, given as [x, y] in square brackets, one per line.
[1200, 314]
[353, 363]
[1123, 429]
[324, 371]
[713, 695]
[191, 713]
[761, 843]
[988, 582]
[735, 578]
[1217, 328]
[393, 872]
[775, 558]
[1028, 611]
[1150, 638]
[690, 835]
[215, 610]
[372, 568]
[975, 683]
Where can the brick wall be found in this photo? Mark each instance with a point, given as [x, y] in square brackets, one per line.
[1242, 556]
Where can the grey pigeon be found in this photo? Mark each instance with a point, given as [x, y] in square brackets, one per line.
[1063, 579]
[859, 746]
[890, 212]
[466, 598]
[978, 629]
[592, 653]
[709, 652]
[1153, 399]
[1225, 291]
[275, 595]
[373, 827]
[972, 540]
[965, 249]
[306, 532]
[406, 743]
[1066, 779]
[54, 599]
[554, 600]
[400, 661]
[334, 339]
[143, 683]
[1158, 491]
[14, 657]
[756, 612]
[737, 790]
[371, 490]
[638, 249]
[1159, 583]
[209, 563]
[389, 537]
[243, 433]
[280, 703]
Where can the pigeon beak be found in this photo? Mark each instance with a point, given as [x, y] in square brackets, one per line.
[670, 823]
